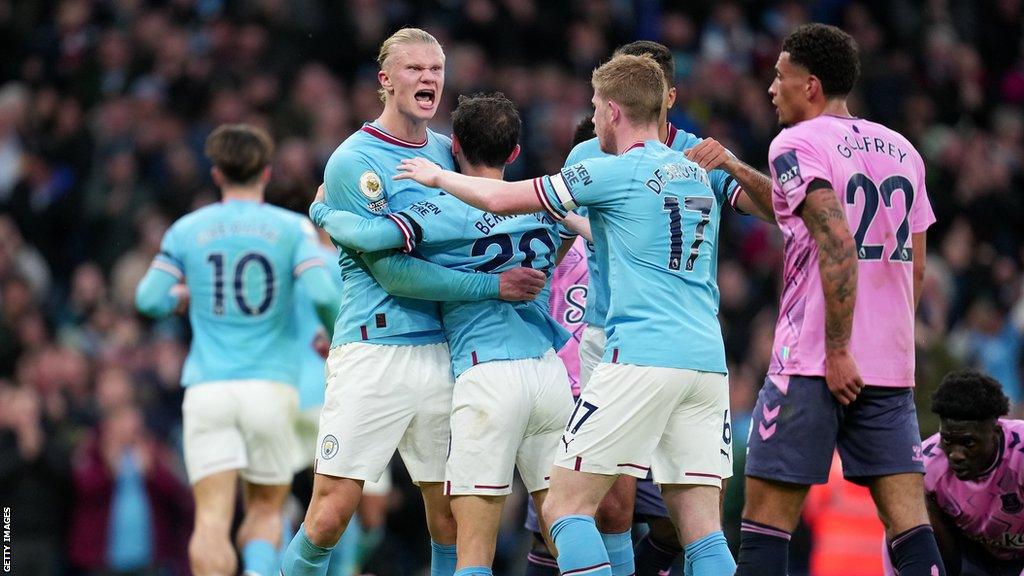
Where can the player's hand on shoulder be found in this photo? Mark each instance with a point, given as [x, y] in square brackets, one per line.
[708, 154]
[419, 169]
[321, 194]
[520, 284]
[842, 376]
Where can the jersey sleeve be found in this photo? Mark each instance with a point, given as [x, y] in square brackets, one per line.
[171, 258]
[572, 187]
[356, 232]
[725, 187]
[442, 218]
[794, 164]
[921, 214]
[404, 275]
[306, 254]
[355, 185]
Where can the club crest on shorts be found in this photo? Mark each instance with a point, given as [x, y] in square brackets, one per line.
[329, 447]
[1011, 503]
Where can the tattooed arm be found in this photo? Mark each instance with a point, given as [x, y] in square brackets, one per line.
[755, 195]
[837, 264]
[756, 198]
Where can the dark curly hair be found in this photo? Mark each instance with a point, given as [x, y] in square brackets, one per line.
[970, 395]
[828, 53]
[487, 126]
[584, 131]
[661, 54]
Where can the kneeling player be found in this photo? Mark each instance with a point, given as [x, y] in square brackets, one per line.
[974, 478]
[511, 396]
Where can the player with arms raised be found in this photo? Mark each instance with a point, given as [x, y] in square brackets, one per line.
[235, 265]
[847, 313]
[388, 372]
[974, 478]
[659, 398]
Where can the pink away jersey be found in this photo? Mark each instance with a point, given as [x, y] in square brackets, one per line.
[568, 299]
[879, 178]
[990, 509]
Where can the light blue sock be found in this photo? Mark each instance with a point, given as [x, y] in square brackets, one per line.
[474, 571]
[343, 558]
[710, 556]
[259, 558]
[620, 552]
[442, 559]
[303, 558]
[580, 549]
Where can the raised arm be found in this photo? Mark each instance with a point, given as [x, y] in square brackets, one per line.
[837, 264]
[489, 195]
[403, 275]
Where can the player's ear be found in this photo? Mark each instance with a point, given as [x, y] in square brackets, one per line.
[672, 97]
[265, 175]
[217, 176]
[813, 87]
[614, 113]
[383, 80]
[515, 154]
[456, 145]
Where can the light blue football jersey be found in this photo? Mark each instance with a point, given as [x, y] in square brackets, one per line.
[655, 222]
[358, 179]
[240, 260]
[722, 184]
[451, 233]
[311, 366]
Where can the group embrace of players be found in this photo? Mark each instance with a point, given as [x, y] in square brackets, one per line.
[443, 347]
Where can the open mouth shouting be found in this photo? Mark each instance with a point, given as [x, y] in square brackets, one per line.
[426, 98]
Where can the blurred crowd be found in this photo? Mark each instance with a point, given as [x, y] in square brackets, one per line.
[105, 104]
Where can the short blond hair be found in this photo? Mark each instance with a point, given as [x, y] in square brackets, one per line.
[399, 38]
[636, 83]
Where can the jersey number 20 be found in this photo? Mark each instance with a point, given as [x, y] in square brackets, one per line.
[216, 260]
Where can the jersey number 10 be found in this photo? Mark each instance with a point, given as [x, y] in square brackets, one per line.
[216, 260]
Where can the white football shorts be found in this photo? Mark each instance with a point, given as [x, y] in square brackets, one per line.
[244, 425]
[380, 398]
[507, 414]
[634, 419]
